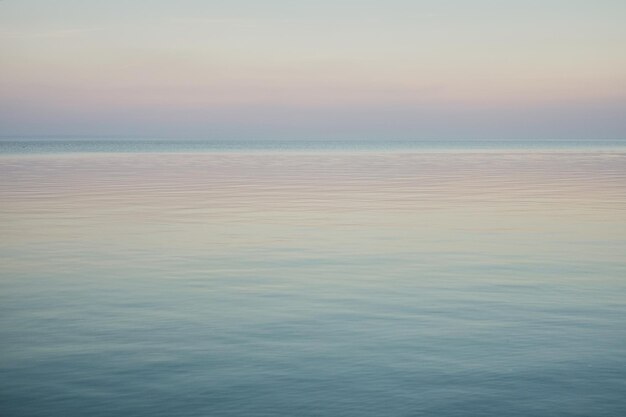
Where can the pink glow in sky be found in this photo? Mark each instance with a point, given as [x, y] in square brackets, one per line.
[328, 69]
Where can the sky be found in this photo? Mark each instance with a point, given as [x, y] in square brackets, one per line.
[324, 69]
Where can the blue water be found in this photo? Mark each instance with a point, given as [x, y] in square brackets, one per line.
[51, 146]
[312, 279]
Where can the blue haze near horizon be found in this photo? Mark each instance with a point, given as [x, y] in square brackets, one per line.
[316, 279]
[235, 69]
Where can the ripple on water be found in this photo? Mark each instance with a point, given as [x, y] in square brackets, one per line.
[313, 284]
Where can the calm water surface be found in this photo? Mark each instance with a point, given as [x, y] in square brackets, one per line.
[322, 281]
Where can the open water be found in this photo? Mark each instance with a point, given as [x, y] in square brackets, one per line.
[297, 279]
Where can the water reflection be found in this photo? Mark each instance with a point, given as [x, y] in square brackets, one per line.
[331, 283]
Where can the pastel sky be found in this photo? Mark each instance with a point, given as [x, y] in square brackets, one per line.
[324, 69]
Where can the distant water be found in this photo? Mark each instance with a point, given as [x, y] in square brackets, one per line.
[195, 146]
[296, 279]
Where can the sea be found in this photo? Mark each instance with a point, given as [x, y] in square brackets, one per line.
[312, 278]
